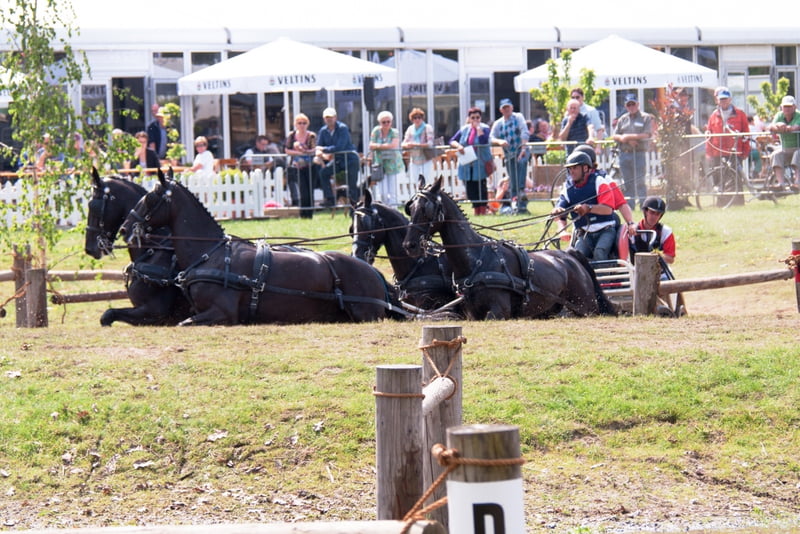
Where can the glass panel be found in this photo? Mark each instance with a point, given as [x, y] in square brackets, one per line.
[412, 65]
[207, 108]
[385, 96]
[348, 109]
[792, 77]
[479, 96]
[273, 102]
[312, 104]
[683, 52]
[167, 64]
[707, 56]
[445, 119]
[128, 95]
[243, 124]
[786, 55]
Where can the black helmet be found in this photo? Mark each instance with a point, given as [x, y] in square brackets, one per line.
[589, 151]
[578, 158]
[656, 204]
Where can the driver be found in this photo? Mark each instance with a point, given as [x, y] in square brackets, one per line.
[653, 209]
[590, 201]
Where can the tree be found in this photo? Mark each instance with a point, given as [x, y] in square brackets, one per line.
[555, 92]
[772, 100]
[40, 68]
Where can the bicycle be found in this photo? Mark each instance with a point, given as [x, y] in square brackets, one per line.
[767, 187]
[721, 185]
[612, 172]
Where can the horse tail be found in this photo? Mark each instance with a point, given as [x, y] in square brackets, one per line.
[604, 304]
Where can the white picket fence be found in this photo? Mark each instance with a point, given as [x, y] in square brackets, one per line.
[246, 195]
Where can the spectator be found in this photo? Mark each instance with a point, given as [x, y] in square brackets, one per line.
[511, 133]
[633, 135]
[590, 201]
[260, 155]
[653, 209]
[419, 141]
[301, 145]
[475, 134]
[335, 149]
[384, 142]
[144, 156]
[157, 133]
[787, 125]
[726, 119]
[575, 126]
[539, 132]
[204, 160]
[594, 116]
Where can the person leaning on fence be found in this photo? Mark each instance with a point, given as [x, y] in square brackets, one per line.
[787, 125]
[591, 112]
[144, 156]
[338, 154]
[419, 142]
[590, 201]
[726, 119]
[538, 132]
[633, 134]
[653, 209]
[511, 133]
[384, 143]
[301, 146]
[474, 134]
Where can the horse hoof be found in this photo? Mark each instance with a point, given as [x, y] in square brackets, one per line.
[107, 318]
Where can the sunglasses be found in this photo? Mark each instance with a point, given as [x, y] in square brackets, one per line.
[417, 117]
[200, 144]
[301, 122]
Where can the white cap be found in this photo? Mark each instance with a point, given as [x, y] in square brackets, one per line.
[329, 112]
[787, 101]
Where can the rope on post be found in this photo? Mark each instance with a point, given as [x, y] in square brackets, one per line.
[450, 459]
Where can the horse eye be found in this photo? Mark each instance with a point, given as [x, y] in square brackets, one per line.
[168, 193]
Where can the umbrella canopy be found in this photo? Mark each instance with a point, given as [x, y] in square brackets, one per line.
[284, 65]
[622, 64]
[414, 67]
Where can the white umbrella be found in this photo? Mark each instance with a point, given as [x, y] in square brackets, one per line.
[414, 67]
[622, 64]
[284, 65]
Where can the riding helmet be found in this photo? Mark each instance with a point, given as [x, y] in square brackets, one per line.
[656, 204]
[589, 151]
[578, 158]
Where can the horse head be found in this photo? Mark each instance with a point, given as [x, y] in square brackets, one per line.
[427, 215]
[151, 211]
[111, 200]
[365, 221]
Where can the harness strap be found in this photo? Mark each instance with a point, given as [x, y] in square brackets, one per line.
[261, 265]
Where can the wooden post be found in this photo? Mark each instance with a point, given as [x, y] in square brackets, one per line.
[398, 403]
[477, 494]
[796, 252]
[36, 301]
[22, 263]
[645, 283]
[447, 413]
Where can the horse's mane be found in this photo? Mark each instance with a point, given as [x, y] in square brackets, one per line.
[115, 179]
[199, 205]
[387, 212]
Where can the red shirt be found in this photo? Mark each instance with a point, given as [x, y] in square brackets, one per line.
[724, 146]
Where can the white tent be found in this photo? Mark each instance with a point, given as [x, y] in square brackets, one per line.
[413, 67]
[284, 65]
[622, 64]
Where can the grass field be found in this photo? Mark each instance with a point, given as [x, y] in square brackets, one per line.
[628, 424]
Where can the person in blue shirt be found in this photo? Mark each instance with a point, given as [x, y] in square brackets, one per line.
[336, 150]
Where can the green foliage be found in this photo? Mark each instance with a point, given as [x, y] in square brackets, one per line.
[555, 92]
[41, 107]
[672, 123]
[555, 157]
[172, 114]
[771, 103]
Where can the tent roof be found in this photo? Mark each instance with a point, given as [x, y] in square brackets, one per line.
[622, 64]
[285, 65]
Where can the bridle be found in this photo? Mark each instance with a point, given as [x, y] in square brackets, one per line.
[433, 208]
[366, 239]
[141, 225]
[105, 237]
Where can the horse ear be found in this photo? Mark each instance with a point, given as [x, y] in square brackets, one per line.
[96, 177]
[436, 186]
[367, 198]
[161, 177]
[171, 173]
[421, 181]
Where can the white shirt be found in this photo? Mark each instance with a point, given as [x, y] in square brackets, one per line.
[206, 160]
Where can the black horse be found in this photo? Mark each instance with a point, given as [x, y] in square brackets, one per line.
[148, 278]
[424, 282]
[230, 281]
[500, 280]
